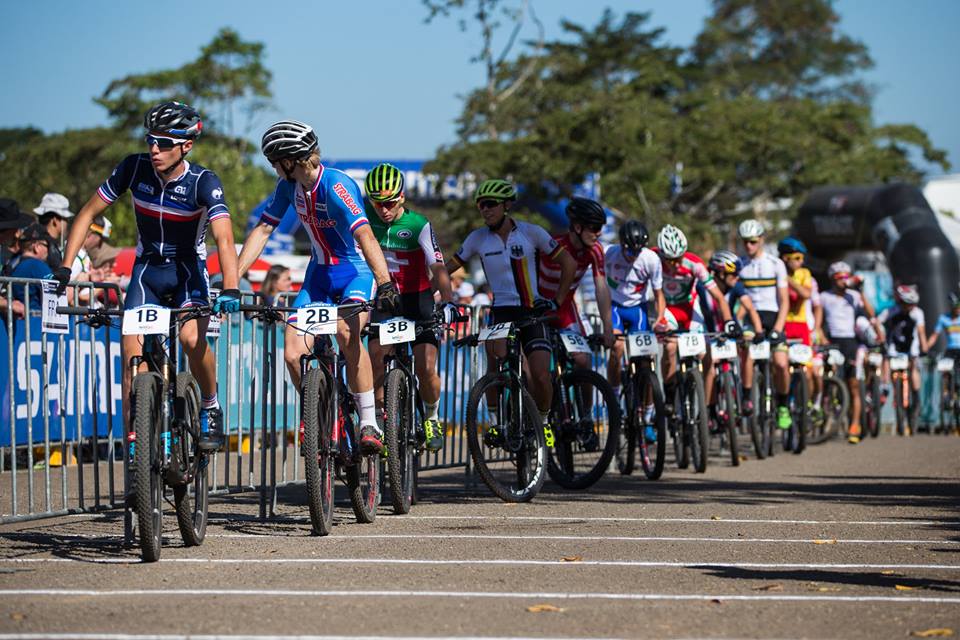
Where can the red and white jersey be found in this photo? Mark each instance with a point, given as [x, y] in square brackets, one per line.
[549, 269]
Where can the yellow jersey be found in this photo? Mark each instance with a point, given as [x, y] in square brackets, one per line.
[798, 306]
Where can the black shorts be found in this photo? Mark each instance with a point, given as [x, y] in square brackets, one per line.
[848, 347]
[534, 337]
[418, 307]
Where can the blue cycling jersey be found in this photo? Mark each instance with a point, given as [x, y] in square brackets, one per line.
[330, 212]
[951, 328]
[172, 217]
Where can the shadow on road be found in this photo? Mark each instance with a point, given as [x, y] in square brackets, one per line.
[850, 578]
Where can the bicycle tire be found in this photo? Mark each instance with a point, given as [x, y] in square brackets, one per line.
[874, 426]
[899, 409]
[191, 514]
[318, 460]
[700, 436]
[834, 404]
[946, 402]
[524, 469]
[580, 457]
[363, 485]
[681, 445]
[627, 441]
[753, 420]
[146, 463]
[796, 435]
[726, 396]
[397, 429]
[767, 427]
[652, 468]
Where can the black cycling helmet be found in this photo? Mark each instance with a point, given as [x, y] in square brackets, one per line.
[586, 212]
[174, 118]
[634, 235]
[288, 139]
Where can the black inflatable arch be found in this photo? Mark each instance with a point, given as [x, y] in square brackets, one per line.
[894, 219]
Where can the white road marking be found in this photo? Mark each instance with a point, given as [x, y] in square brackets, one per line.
[717, 520]
[311, 593]
[192, 636]
[497, 562]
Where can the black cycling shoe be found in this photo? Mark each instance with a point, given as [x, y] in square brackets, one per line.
[371, 442]
[211, 439]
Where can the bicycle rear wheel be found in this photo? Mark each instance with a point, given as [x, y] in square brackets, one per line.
[586, 424]
[317, 449]
[727, 405]
[652, 453]
[191, 514]
[146, 463]
[695, 415]
[398, 437]
[506, 440]
[946, 403]
[363, 484]
[899, 385]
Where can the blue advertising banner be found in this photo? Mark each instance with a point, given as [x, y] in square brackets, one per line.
[81, 392]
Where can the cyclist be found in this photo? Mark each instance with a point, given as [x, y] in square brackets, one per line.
[903, 325]
[508, 251]
[726, 266]
[800, 288]
[344, 252]
[950, 324]
[175, 203]
[416, 265]
[765, 278]
[581, 241]
[682, 271]
[842, 305]
[633, 271]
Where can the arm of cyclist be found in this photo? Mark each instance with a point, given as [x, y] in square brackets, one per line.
[922, 336]
[372, 253]
[603, 303]
[802, 291]
[568, 269]
[746, 303]
[78, 233]
[222, 230]
[660, 301]
[253, 246]
[439, 277]
[783, 300]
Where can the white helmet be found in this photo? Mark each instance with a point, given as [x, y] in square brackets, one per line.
[865, 331]
[288, 139]
[907, 294]
[838, 267]
[672, 242]
[750, 229]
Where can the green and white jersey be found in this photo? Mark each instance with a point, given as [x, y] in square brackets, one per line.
[410, 248]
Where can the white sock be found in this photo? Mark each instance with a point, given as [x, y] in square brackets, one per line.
[367, 407]
[432, 410]
[209, 402]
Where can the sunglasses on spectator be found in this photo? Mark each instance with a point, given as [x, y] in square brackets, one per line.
[488, 204]
[163, 143]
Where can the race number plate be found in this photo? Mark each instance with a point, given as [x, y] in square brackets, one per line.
[945, 365]
[875, 359]
[148, 319]
[574, 342]
[317, 319]
[495, 332]
[800, 353]
[835, 358]
[53, 322]
[691, 344]
[899, 363]
[397, 330]
[213, 328]
[726, 350]
[641, 344]
[760, 351]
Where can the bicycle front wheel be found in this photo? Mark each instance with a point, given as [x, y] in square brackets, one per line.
[755, 420]
[191, 514]
[146, 463]
[833, 405]
[728, 408]
[586, 424]
[695, 417]
[505, 437]
[653, 450]
[627, 441]
[398, 434]
[795, 439]
[317, 449]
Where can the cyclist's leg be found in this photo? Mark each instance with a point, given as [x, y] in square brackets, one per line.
[536, 347]
[193, 290]
[419, 306]
[358, 286]
[315, 282]
[140, 291]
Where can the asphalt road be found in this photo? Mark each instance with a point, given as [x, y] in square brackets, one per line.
[842, 541]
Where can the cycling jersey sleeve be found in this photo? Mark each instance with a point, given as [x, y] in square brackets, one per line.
[343, 198]
[884, 315]
[703, 276]
[428, 243]
[781, 271]
[918, 317]
[468, 249]
[210, 195]
[545, 242]
[596, 260]
[278, 204]
[655, 269]
[119, 181]
[814, 292]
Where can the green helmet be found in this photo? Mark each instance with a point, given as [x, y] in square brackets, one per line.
[384, 182]
[495, 190]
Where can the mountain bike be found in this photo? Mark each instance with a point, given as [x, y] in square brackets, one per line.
[584, 416]
[505, 435]
[906, 401]
[834, 401]
[688, 424]
[726, 361]
[164, 437]
[644, 428]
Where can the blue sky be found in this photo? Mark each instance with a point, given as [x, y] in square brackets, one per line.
[59, 54]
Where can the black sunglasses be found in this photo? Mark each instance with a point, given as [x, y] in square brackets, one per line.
[488, 204]
[164, 144]
[595, 228]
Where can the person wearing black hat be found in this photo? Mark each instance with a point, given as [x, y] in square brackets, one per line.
[34, 249]
[12, 219]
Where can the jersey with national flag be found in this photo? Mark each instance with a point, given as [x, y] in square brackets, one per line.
[172, 217]
[586, 258]
[330, 212]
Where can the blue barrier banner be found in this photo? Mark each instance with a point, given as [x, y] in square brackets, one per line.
[84, 369]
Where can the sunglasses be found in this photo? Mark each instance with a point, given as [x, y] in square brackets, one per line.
[488, 204]
[793, 256]
[752, 241]
[593, 228]
[386, 204]
[164, 144]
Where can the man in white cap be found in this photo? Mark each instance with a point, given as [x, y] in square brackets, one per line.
[53, 213]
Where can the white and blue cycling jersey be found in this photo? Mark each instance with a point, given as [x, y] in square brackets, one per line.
[330, 212]
[172, 217]
[950, 327]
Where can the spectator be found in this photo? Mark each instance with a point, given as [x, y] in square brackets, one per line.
[53, 213]
[276, 281]
[97, 236]
[457, 279]
[464, 293]
[484, 297]
[34, 247]
[12, 220]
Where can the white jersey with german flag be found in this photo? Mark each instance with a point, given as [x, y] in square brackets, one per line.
[511, 265]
